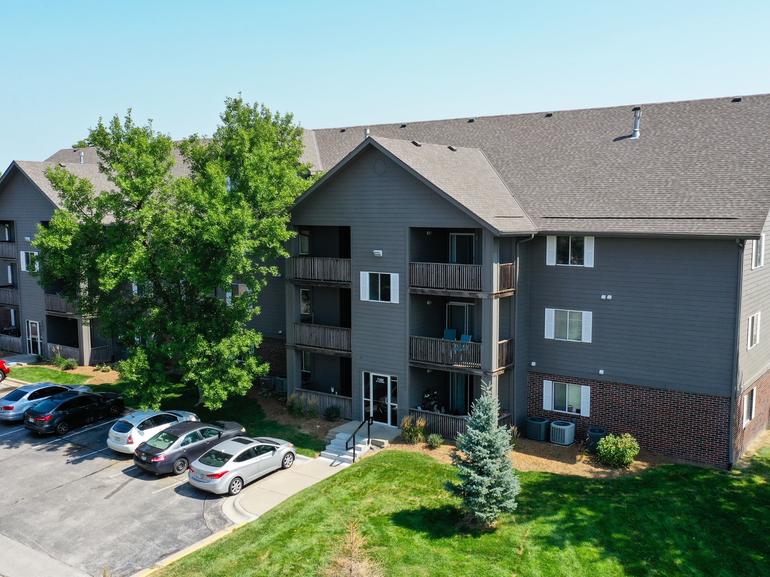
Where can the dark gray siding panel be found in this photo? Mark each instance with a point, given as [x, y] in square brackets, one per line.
[670, 323]
[272, 319]
[380, 202]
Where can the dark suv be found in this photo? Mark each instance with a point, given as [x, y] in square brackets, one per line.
[60, 413]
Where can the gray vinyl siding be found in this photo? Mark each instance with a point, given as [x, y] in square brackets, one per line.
[670, 323]
[755, 297]
[271, 321]
[379, 205]
[22, 202]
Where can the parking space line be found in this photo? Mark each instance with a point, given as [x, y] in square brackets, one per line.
[169, 486]
[73, 459]
[12, 432]
[76, 433]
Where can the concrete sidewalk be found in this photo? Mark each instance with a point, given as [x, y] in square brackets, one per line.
[19, 560]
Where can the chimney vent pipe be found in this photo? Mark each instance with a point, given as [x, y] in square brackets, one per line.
[637, 130]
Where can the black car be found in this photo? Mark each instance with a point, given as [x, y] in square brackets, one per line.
[173, 449]
[60, 413]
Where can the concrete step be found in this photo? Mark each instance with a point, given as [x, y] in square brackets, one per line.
[341, 444]
[340, 458]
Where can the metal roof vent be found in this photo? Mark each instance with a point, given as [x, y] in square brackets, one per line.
[637, 130]
[471, 120]
[416, 143]
[403, 126]
[549, 114]
[82, 157]
[452, 148]
[366, 133]
[343, 129]
[737, 99]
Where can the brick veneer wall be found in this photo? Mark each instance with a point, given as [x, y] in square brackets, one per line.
[274, 352]
[743, 436]
[686, 426]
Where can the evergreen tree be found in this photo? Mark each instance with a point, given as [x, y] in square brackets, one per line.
[488, 484]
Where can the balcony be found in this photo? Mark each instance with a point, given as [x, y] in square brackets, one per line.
[505, 353]
[319, 269]
[9, 296]
[444, 353]
[449, 426]
[322, 337]
[58, 304]
[7, 249]
[55, 350]
[10, 344]
[462, 278]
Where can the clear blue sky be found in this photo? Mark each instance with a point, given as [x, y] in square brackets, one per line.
[361, 62]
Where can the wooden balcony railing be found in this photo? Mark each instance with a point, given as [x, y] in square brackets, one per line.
[505, 353]
[444, 352]
[63, 351]
[9, 296]
[10, 344]
[319, 268]
[506, 279]
[323, 401]
[449, 426]
[445, 276]
[7, 249]
[100, 355]
[322, 336]
[59, 304]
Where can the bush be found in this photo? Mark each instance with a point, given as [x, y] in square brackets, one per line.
[413, 430]
[332, 413]
[64, 364]
[300, 407]
[617, 450]
[434, 441]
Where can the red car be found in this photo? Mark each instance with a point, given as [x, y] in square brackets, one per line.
[4, 370]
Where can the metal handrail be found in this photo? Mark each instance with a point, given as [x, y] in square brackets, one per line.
[368, 422]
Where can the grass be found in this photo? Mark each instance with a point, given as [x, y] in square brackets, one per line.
[33, 374]
[669, 521]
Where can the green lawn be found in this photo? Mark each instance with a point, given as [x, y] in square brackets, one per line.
[672, 520]
[33, 374]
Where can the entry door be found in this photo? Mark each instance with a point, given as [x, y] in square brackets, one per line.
[459, 316]
[33, 338]
[380, 397]
[461, 247]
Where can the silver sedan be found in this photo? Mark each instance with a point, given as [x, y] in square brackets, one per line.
[230, 465]
[14, 404]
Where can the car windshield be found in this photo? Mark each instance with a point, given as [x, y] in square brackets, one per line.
[15, 395]
[215, 458]
[122, 426]
[46, 406]
[162, 440]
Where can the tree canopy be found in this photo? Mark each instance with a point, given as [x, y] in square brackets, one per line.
[172, 261]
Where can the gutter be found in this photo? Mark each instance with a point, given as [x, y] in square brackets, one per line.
[736, 355]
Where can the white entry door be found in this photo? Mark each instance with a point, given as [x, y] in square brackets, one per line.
[380, 396]
[33, 338]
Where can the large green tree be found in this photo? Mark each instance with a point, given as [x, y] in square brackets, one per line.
[154, 256]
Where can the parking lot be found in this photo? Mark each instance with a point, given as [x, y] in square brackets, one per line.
[75, 500]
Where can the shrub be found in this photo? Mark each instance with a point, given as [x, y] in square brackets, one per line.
[300, 407]
[617, 450]
[63, 363]
[332, 413]
[434, 441]
[413, 430]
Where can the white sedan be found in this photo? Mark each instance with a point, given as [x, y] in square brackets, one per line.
[135, 428]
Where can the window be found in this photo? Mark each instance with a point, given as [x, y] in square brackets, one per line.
[6, 232]
[245, 456]
[29, 261]
[749, 404]
[379, 287]
[567, 325]
[305, 303]
[567, 398]
[209, 433]
[191, 438]
[758, 252]
[304, 242]
[570, 251]
[754, 329]
[264, 449]
[306, 366]
[10, 275]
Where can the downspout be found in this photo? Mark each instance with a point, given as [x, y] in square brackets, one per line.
[516, 321]
[736, 355]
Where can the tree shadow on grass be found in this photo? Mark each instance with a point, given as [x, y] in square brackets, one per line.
[442, 522]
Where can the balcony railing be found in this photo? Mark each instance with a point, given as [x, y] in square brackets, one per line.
[445, 276]
[323, 401]
[7, 249]
[449, 426]
[319, 269]
[445, 352]
[63, 351]
[505, 353]
[10, 344]
[9, 296]
[101, 355]
[506, 279]
[322, 336]
[58, 304]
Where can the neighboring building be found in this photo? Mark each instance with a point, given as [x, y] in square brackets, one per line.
[586, 266]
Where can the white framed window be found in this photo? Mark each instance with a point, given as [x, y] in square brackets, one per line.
[753, 336]
[758, 252]
[305, 302]
[567, 398]
[379, 287]
[304, 242]
[566, 250]
[749, 406]
[28, 260]
[568, 325]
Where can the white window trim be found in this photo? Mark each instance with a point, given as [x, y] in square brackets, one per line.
[394, 287]
[753, 393]
[588, 251]
[585, 398]
[550, 325]
[758, 324]
[23, 260]
[306, 250]
[761, 245]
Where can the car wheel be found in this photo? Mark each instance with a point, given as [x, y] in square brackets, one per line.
[287, 461]
[180, 466]
[62, 428]
[236, 485]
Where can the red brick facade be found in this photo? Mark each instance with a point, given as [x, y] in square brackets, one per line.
[274, 352]
[744, 435]
[687, 426]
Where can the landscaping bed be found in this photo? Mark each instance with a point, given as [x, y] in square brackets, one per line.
[665, 521]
